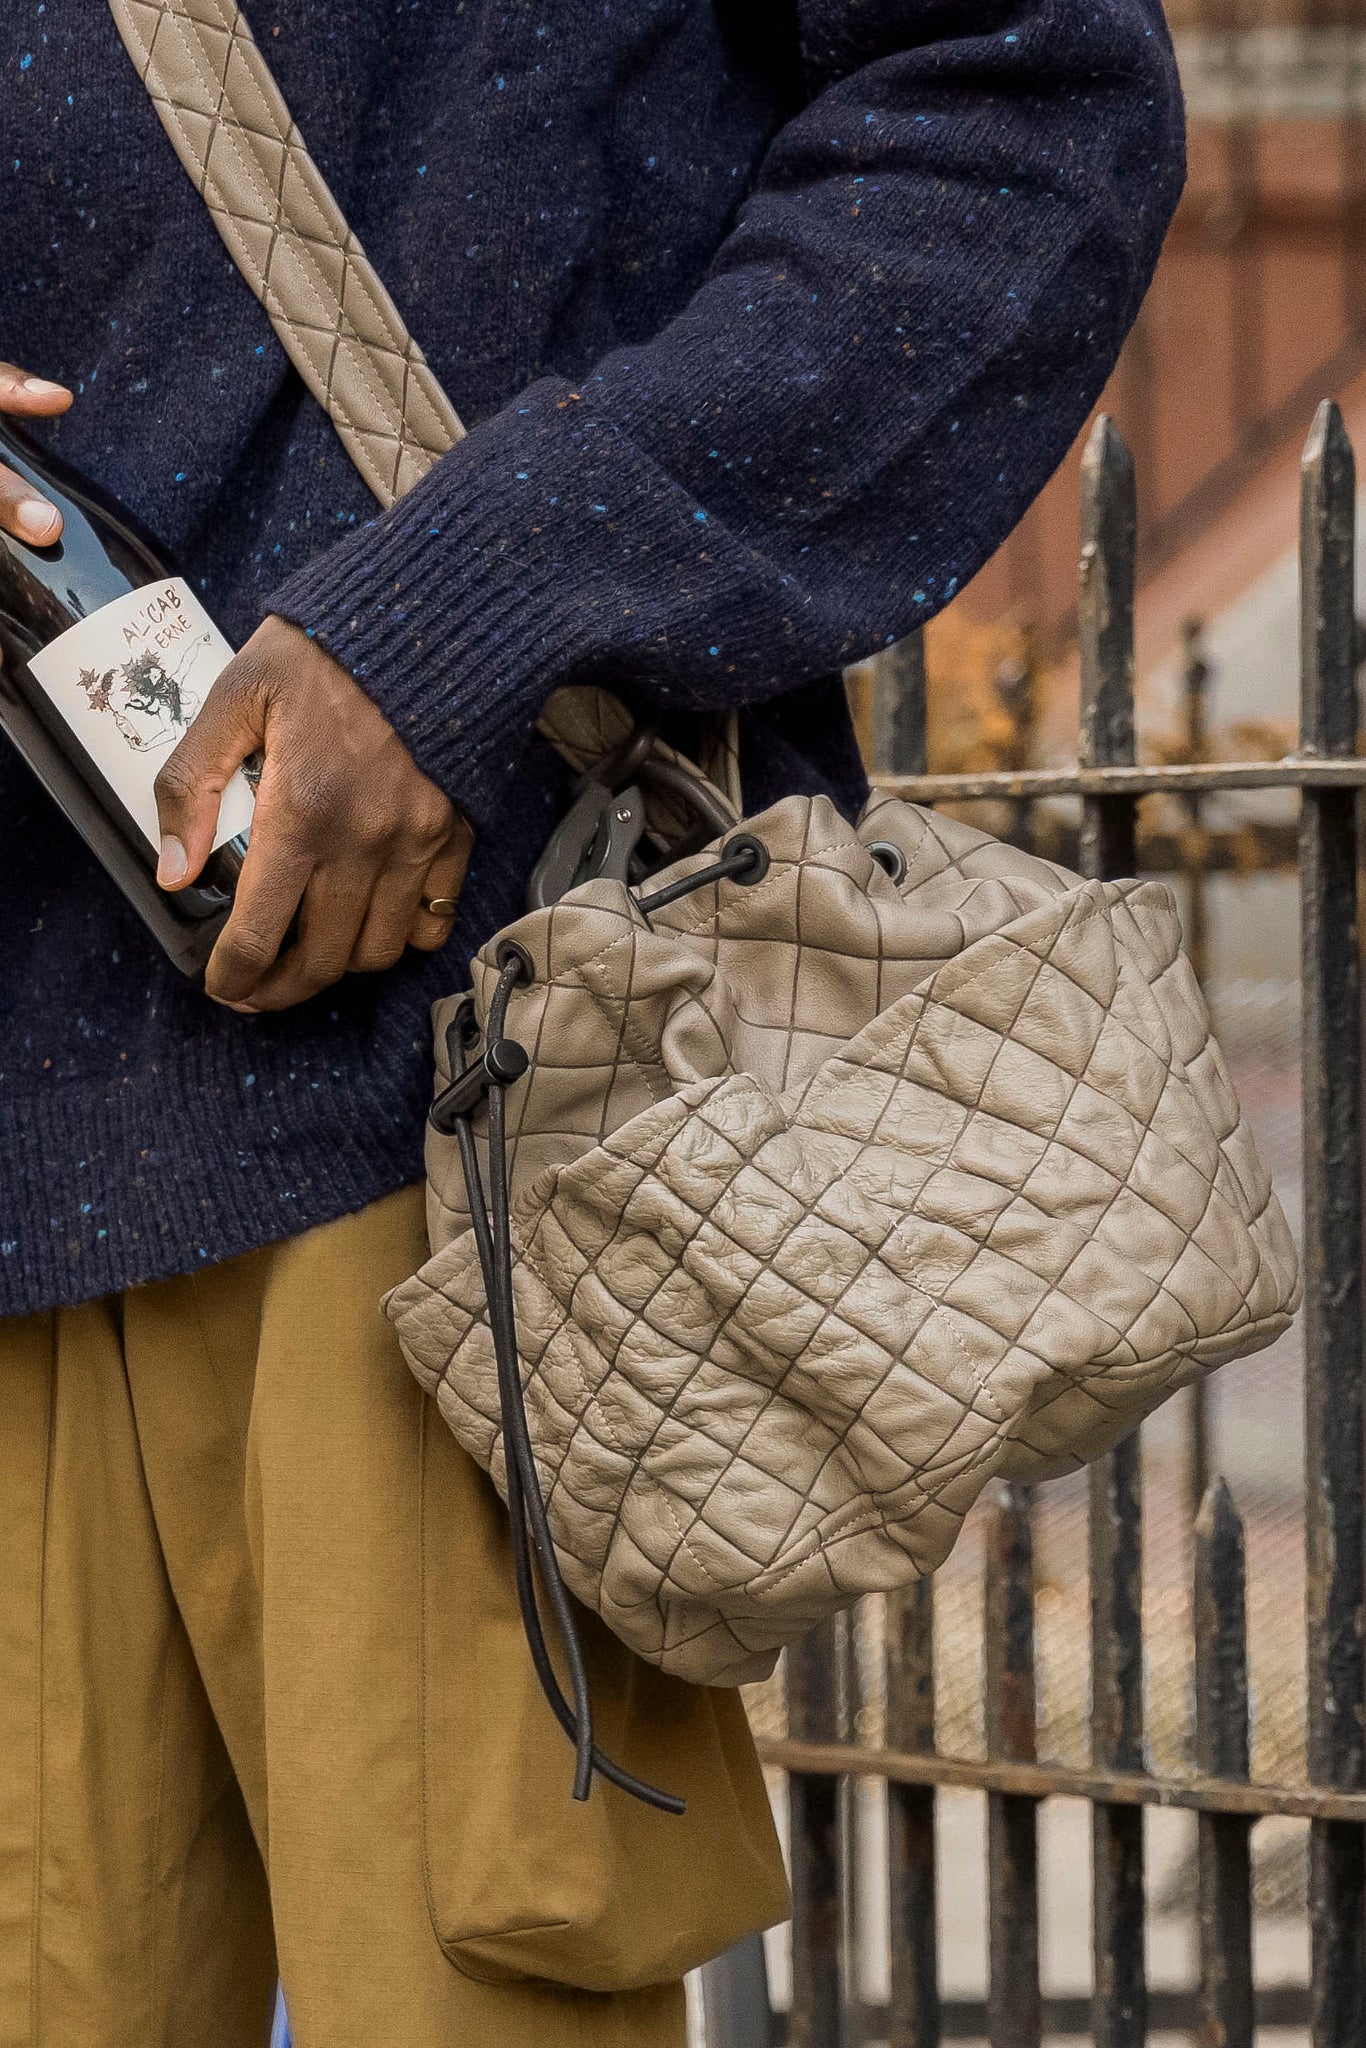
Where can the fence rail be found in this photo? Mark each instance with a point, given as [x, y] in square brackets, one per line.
[1296, 771]
[821, 1757]
[1196, 1793]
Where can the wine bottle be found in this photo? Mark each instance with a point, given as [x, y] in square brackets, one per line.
[106, 656]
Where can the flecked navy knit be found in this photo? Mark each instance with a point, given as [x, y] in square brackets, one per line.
[770, 318]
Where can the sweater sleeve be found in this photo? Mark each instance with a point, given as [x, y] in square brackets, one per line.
[917, 306]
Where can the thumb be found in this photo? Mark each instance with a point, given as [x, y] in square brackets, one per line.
[190, 785]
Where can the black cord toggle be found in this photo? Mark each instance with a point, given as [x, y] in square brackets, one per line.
[505, 1061]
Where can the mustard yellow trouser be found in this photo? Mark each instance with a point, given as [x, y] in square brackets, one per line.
[262, 1692]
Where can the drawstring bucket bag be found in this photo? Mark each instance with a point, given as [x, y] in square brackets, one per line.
[780, 1201]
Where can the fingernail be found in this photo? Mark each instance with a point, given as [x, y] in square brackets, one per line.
[43, 387]
[243, 1009]
[173, 864]
[35, 518]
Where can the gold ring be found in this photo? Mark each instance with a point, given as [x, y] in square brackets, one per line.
[440, 906]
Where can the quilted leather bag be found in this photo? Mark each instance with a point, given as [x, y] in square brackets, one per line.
[838, 1186]
[792, 1179]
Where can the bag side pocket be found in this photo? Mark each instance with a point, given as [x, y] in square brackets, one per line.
[522, 1881]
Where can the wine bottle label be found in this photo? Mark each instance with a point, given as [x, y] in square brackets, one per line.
[130, 681]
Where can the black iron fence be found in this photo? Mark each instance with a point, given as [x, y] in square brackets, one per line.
[821, 1756]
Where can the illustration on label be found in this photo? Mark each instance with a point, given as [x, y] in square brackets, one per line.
[156, 709]
[129, 681]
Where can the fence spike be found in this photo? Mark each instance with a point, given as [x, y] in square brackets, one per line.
[1195, 850]
[1328, 707]
[1120, 2017]
[815, 1840]
[1334, 1332]
[1105, 613]
[1014, 2005]
[1221, 1749]
[1107, 847]
[913, 2017]
[851, 1638]
[1221, 1739]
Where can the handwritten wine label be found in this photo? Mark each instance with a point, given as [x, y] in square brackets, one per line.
[130, 681]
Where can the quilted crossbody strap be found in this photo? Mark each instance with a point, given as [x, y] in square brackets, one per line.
[229, 125]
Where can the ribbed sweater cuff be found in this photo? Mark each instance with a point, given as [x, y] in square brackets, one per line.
[463, 607]
[175, 1178]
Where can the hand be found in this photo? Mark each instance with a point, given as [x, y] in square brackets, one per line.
[348, 831]
[22, 511]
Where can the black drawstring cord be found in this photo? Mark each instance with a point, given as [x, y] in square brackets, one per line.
[743, 859]
[515, 1429]
[493, 1242]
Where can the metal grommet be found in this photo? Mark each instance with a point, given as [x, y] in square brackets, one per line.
[465, 1022]
[509, 951]
[889, 858]
[746, 842]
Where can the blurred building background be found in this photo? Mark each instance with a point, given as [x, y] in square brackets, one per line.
[1257, 312]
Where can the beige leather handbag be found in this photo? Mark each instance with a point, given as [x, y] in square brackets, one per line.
[785, 1192]
[843, 1176]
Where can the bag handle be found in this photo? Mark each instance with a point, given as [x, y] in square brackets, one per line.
[227, 121]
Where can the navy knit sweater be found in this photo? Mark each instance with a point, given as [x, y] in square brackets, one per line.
[770, 317]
